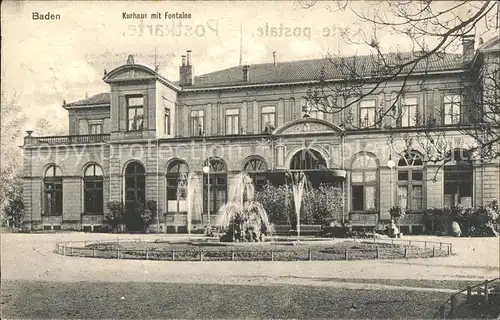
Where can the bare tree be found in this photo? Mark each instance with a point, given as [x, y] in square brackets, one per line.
[433, 29]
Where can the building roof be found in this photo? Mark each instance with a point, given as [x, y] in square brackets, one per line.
[310, 70]
[301, 71]
[492, 44]
[100, 98]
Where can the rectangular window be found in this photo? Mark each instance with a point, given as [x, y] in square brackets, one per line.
[93, 197]
[268, 115]
[95, 128]
[53, 198]
[197, 122]
[458, 186]
[409, 112]
[410, 189]
[135, 113]
[166, 123]
[364, 191]
[232, 118]
[451, 106]
[367, 113]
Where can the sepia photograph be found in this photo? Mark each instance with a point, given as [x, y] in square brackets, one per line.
[332, 159]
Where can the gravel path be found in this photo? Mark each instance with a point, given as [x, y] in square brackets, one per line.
[31, 257]
[36, 283]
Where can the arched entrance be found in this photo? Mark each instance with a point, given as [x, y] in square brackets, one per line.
[135, 195]
[314, 165]
[308, 159]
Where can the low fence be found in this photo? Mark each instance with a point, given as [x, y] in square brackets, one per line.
[483, 295]
[434, 245]
[114, 249]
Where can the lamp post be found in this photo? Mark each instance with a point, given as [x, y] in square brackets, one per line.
[390, 164]
[206, 170]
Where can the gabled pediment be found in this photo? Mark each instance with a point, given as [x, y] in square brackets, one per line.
[130, 72]
[136, 72]
[307, 125]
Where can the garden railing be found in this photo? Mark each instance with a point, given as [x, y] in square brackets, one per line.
[466, 297]
[97, 249]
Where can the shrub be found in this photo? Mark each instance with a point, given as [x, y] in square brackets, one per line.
[322, 205]
[115, 213]
[396, 213]
[278, 203]
[473, 222]
[148, 211]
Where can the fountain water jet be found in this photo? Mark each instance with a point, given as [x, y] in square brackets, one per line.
[299, 185]
[193, 198]
[245, 218]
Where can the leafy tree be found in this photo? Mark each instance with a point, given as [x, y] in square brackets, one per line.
[14, 208]
[12, 123]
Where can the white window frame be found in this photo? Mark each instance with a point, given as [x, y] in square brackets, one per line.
[369, 105]
[264, 112]
[451, 109]
[197, 113]
[232, 115]
[94, 123]
[408, 109]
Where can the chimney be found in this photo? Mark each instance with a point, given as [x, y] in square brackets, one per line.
[468, 47]
[186, 71]
[246, 75]
[274, 59]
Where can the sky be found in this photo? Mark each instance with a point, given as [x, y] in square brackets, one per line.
[45, 62]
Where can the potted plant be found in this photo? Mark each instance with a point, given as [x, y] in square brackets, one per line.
[115, 213]
[396, 213]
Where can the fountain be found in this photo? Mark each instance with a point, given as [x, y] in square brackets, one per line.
[299, 186]
[245, 219]
[193, 199]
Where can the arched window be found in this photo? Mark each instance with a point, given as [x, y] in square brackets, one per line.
[411, 181]
[93, 186]
[364, 183]
[135, 194]
[53, 191]
[218, 185]
[308, 159]
[255, 167]
[458, 179]
[177, 172]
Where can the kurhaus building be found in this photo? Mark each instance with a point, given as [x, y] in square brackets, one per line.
[141, 139]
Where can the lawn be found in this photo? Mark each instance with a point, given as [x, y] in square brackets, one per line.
[106, 300]
[267, 251]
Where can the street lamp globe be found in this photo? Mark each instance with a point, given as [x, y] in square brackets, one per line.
[391, 164]
[206, 169]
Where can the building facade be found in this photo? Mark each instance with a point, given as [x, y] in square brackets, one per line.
[148, 135]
